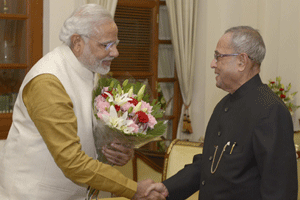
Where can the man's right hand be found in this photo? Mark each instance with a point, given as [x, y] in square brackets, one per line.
[149, 190]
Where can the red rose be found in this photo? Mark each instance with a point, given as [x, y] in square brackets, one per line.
[133, 101]
[272, 82]
[117, 108]
[142, 117]
[105, 95]
[282, 96]
[281, 89]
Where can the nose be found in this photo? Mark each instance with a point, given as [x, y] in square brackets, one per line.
[213, 63]
[114, 52]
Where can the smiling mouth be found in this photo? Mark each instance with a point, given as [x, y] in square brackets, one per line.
[106, 62]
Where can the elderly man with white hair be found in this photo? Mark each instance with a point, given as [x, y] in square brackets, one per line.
[249, 152]
[49, 153]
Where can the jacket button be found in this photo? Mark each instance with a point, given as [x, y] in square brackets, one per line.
[210, 158]
[203, 183]
[226, 109]
[219, 133]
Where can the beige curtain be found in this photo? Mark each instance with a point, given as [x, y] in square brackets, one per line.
[183, 21]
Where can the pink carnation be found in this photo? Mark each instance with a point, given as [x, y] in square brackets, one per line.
[146, 105]
[105, 89]
[100, 114]
[126, 106]
[99, 98]
[135, 126]
[152, 121]
[102, 105]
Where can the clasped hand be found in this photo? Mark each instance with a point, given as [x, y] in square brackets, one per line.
[149, 190]
[146, 189]
[117, 155]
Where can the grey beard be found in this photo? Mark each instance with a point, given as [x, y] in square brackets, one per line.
[98, 67]
[92, 63]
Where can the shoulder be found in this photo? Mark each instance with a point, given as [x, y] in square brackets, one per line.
[44, 86]
[265, 101]
[43, 81]
[267, 98]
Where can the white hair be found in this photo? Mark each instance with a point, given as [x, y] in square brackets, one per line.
[245, 39]
[84, 21]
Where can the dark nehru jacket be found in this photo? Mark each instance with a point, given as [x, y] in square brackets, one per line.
[255, 129]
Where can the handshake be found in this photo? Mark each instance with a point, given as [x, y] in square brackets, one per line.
[148, 189]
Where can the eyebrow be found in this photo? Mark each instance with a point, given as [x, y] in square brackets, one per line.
[107, 42]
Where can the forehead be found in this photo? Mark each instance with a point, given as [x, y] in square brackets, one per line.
[106, 30]
[223, 45]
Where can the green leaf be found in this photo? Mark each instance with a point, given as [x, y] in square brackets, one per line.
[153, 102]
[159, 115]
[155, 109]
[125, 83]
[130, 109]
[159, 129]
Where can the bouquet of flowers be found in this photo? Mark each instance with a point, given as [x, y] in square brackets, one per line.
[282, 93]
[127, 110]
[124, 113]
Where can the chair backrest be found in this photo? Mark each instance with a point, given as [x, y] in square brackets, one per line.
[178, 154]
[297, 142]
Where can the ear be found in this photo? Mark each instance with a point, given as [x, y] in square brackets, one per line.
[77, 44]
[242, 61]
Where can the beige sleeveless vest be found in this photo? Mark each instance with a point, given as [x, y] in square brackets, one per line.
[27, 169]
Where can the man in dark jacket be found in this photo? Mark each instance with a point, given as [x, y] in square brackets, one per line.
[248, 152]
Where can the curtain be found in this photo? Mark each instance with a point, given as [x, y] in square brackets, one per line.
[166, 70]
[183, 21]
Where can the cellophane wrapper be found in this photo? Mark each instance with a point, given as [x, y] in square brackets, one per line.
[105, 135]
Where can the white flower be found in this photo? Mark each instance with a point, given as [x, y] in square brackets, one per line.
[140, 94]
[120, 99]
[130, 92]
[291, 97]
[128, 130]
[120, 123]
[138, 107]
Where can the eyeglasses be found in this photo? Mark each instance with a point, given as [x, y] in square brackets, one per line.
[217, 55]
[106, 46]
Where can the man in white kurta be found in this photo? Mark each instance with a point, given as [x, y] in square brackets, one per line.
[58, 85]
[49, 153]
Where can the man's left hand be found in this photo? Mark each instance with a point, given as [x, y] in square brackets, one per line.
[119, 155]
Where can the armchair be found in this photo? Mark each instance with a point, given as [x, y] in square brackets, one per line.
[178, 154]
